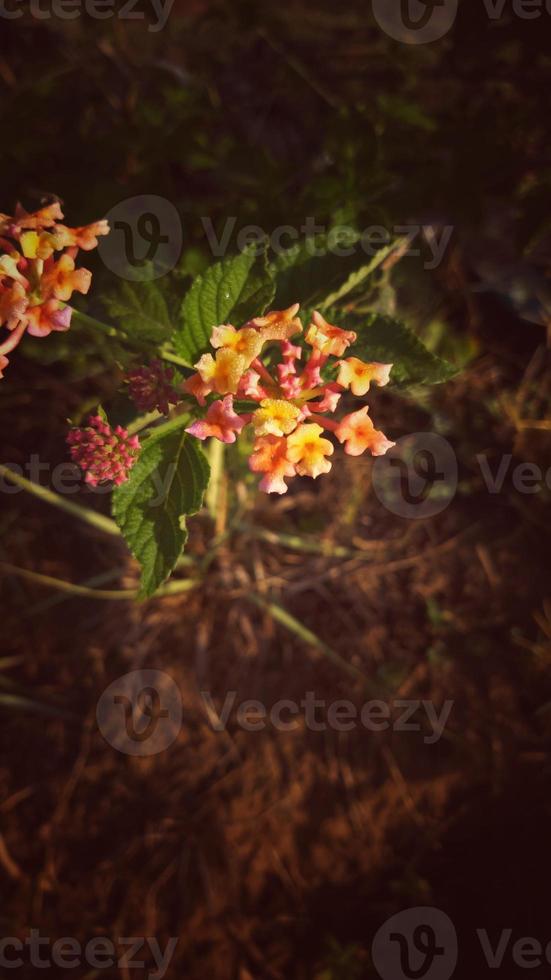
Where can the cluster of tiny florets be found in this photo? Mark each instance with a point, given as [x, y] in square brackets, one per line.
[104, 454]
[151, 387]
[34, 285]
[290, 423]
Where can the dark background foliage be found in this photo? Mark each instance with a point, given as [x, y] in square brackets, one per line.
[280, 856]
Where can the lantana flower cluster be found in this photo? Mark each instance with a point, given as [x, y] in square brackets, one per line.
[35, 285]
[105, 455]
[294, 401]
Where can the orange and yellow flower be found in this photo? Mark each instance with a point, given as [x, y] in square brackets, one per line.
[270, 457]
[196, 386]
[222, 373]
[293, 401]
[33, 286]
[358, 433]
[43, 218]
[246, 342]
[85, 237]
[62, 279]
[220, 422]
[48, 316]
[13, 304]
[328, 339]
[309, 451]
[357, 375]
[276, 417]
[279, 324]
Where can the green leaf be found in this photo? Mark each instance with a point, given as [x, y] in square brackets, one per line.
[166, 485]
[384, 339]
[359, 276]
[141, 310]
[234, 290]
[311, 267]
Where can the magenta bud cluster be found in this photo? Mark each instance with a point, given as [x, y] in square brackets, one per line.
[150, 387]
[104, 454]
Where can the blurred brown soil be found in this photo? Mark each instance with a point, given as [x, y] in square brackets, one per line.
[266, 852]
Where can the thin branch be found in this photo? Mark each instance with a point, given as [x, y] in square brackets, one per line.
[171, 588]
[85, 514]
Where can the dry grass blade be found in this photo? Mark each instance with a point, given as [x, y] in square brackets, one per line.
[172, 588]
[91, 517]
[282, 616]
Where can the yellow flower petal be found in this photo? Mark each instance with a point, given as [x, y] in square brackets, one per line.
[358, 375]
[308, 451]
[275, 417]
[29, 244]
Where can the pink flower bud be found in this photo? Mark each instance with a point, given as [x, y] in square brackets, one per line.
[103, 454]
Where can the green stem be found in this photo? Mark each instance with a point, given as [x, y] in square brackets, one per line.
[85, 514]
[96, 580]
[167, 355]
[142, 422]
[216, 460]
[61, 586]
[109, 331]
[172, 588]
[297, 543]
[90, 321]
[170, 425]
